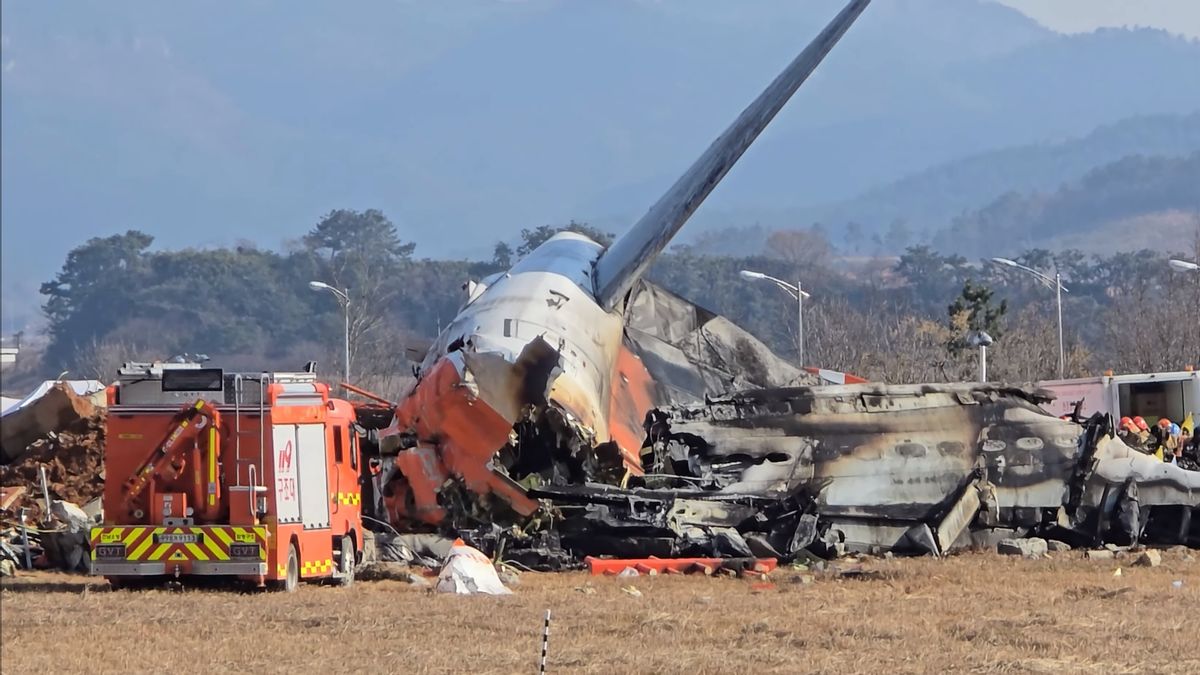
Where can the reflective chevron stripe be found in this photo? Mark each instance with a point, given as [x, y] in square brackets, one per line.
[144, 543]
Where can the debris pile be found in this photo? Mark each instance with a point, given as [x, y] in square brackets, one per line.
[53, 462]
[48, 409]
[73, 459]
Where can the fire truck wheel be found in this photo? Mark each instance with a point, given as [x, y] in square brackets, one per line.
[346, 563]
[291, 580]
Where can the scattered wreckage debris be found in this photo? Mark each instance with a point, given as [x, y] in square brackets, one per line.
[1029, 547]
[72, 457]
[49, 409]
[44, 481]
[467, 571]
[9, 495]
[60, 542]
[653, 566]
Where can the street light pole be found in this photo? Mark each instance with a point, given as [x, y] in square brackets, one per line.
[343, 297]
[1058, 291]
[796, 292]
[800, 323]
[1062, 352]
[346, 339]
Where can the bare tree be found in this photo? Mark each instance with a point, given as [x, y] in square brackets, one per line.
[806, 249]
[361, 254]
[385, 363]
[884, 344]
[1153, 325]
[1029, 350]
[100, 358]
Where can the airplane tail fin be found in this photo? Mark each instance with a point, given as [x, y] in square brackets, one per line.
[628, 257]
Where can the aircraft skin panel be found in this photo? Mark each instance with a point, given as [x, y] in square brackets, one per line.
[629, 256]
[546, 295]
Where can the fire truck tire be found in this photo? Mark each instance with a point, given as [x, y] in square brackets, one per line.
[346, 563]
[291, 579]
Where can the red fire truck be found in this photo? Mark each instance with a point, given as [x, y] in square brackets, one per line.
[247, 475]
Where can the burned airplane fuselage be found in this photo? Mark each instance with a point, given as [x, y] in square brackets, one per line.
[921, 467]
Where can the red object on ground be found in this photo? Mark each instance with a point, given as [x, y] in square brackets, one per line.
[599, 566]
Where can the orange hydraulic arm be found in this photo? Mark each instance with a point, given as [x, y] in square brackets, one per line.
[169, 454]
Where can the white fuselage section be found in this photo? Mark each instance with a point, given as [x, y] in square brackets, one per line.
[549, 293]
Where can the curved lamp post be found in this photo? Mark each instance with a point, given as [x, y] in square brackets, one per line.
[343, 298]
[1059, 289]
[794, 291]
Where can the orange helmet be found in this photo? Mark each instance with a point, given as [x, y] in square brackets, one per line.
[1126, 421]
[1141, 423]
[1164, 422]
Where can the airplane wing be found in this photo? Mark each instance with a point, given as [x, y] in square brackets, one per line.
[624, 262]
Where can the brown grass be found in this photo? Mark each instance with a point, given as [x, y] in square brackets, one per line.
[972, 613]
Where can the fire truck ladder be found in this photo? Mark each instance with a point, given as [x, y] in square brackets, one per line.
[168, 454]
[258, 505]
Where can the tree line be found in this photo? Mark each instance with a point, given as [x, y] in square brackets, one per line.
[896, 319]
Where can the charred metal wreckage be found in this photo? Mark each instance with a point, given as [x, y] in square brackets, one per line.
[565, 412]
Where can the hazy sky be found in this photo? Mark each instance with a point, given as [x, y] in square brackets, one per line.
[1078, 16]
[483, 117]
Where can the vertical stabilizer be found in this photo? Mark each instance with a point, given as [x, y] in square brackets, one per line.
[624, 262]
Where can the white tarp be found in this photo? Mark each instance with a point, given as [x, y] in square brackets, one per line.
[80, 387]
[468, 571]
[6, 403]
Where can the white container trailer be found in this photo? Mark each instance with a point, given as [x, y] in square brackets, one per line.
[1150, 395]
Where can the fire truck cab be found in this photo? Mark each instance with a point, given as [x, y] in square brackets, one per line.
[247, 475]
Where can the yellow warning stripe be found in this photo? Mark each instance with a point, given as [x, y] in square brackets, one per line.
[349, 498]
[140, 550]
[197, 552]
[158, 553]
[315, 567]
[213, 547]
[212, 465]
[308, 569]
[223, 535]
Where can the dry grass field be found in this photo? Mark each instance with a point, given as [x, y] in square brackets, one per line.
[972, 613]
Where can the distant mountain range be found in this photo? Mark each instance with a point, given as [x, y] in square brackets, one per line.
[1093, 213]
[927, 202]
[467, 121]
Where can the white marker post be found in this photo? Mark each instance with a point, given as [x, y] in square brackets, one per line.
[545, 643]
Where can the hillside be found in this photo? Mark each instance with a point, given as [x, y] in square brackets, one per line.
[934, 196]
[1156, 193]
